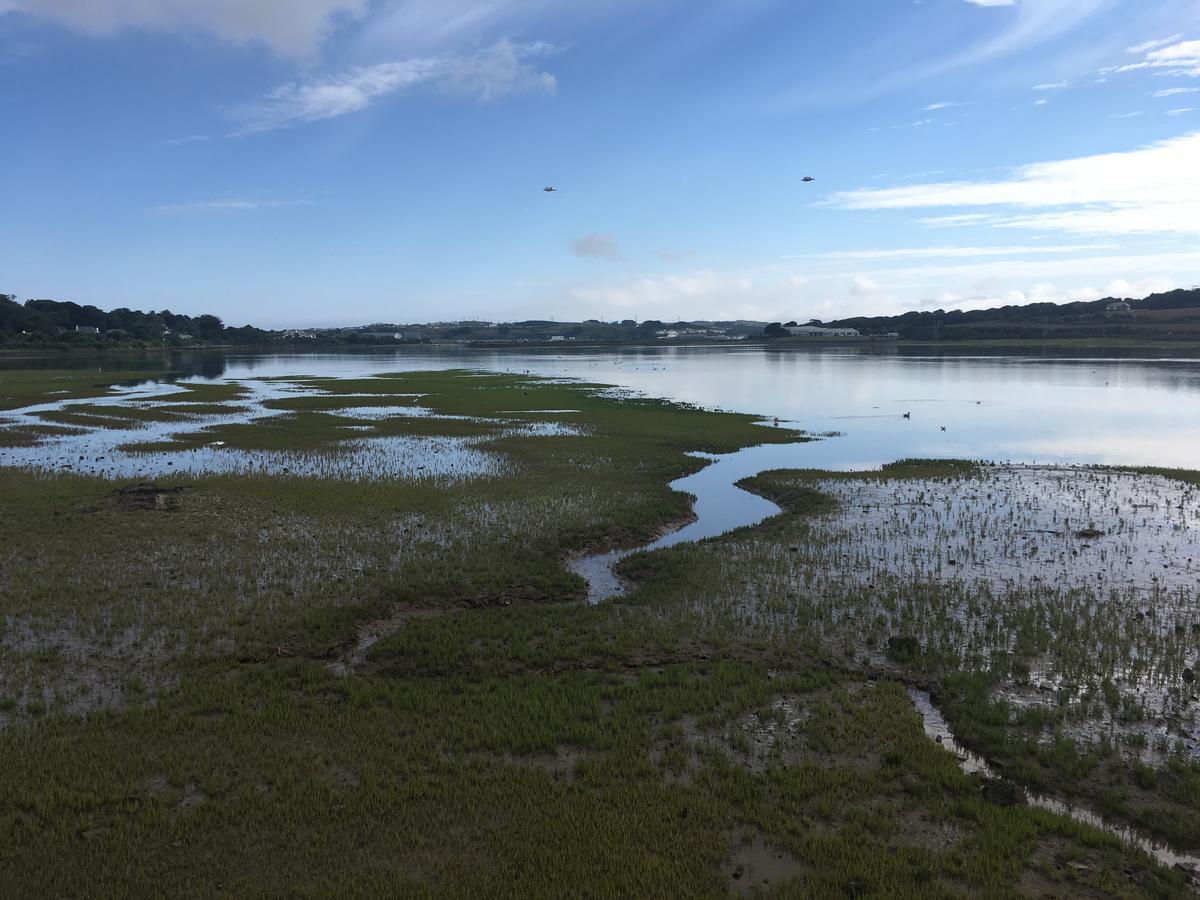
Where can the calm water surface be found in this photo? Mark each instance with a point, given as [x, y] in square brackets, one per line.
[1017, 409]
[1001, 408]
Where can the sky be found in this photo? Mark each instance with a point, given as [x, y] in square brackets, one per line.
[294, 163]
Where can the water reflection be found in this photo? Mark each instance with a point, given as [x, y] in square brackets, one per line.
[1003, 408]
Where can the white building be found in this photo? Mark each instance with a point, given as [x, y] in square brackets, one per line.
[821, 331]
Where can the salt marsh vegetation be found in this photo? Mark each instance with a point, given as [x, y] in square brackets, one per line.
[401, 667]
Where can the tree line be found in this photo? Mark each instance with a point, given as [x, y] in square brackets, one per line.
[42, 323]
[1169, 315]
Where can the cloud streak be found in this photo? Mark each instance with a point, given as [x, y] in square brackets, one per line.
[952, 252]
[1180, 58]
[1151, 190]
[504, 68]
[233, 204]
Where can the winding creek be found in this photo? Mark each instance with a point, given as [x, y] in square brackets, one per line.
[937, 729]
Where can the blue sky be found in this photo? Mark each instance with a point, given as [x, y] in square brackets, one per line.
[310, 162]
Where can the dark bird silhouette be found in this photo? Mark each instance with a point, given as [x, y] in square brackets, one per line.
[943, 428]
[550, 189]
[907, 415]
[807, 178]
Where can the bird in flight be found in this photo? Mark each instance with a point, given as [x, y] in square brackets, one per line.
[550, 189]
[807, 178]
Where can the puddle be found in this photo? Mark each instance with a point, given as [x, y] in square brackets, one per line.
[1017, 527]
[937, 729]
[100, 448]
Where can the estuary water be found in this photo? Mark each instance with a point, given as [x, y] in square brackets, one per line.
[1026, 409]
[1005, 409]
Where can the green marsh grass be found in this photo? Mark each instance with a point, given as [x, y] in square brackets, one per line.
[177, 722]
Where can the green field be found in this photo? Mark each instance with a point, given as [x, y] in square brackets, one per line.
[272, 685]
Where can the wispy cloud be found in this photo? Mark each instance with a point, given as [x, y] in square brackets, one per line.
[596, 246]
[1151, 190]
[289, 27]
[1035, 22]
[233, 204]
[505, 68]
[1154, 45]
[944, 104]
[668, 291]
[1180, 111]
[1175, 91]
[1180, 58]
[1055, 86]
[189, 139]
[953, 252]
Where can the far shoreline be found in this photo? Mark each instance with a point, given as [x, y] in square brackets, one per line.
[1153, 349]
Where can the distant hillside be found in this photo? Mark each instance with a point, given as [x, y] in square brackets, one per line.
[42, 323]
[62, 325]
[1173, 316]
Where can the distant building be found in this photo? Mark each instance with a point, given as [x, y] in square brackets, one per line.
[86, 329]
[1118, 308]
[558, 337]
[821, 331]
[383, 335]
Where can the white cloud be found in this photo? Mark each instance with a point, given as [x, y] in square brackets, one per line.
[1026, 24]
[1154, 45]
[1175, 91]
[671, 292]
[596, 246]
[504, 68]
[952, 252]
[1182, 58]
[1180, 111]
[780, 295]
[289, 27]
[1029, 270]
[189, 139]
[1050, 292]
[229, 205]
[501, 70]
[944, 104]
[957, 221]
[1056, 86]
[1149, 190]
